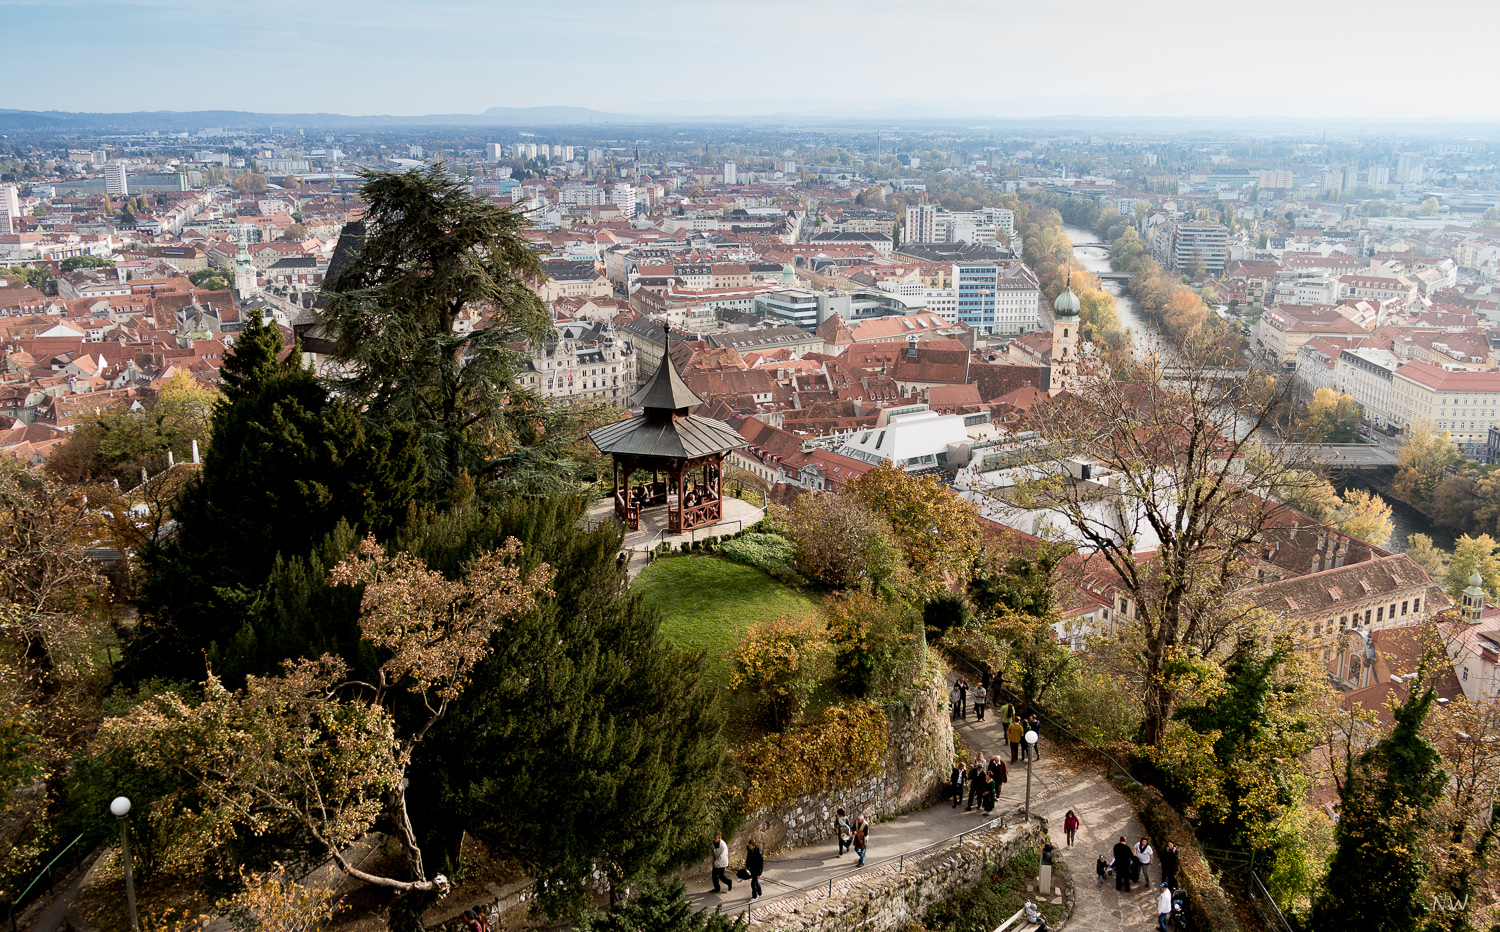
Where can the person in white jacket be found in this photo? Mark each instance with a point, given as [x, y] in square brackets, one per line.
[1163, 907]
[721, 861]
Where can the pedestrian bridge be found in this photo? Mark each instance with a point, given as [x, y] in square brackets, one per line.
[1342, 455]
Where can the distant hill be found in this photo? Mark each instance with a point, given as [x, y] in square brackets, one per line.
[175, 121]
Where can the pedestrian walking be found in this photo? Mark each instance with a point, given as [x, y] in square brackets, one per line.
[981, 699]
[987, 797]
[963, 698]
[956, 781]
[1124, 857]
[861, 840]
[1163, 908]
[986, 677]
[721, 862]
[755, 864]
[844, 830]
[953, 695]
[999, 774]
[976, 773]
[1169, 864]
[1070, 826]
[1101, 870]
[1003, 710]
[1143, 855]
[1013, 733]
[1035, 724]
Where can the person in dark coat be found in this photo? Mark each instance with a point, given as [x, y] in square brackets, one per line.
[986, 678]
[987, 795]
[1168, 856]
[976, 775]
[956, 781]
[999, 774]
[963, 698]
[755, 864]
[1124, 858]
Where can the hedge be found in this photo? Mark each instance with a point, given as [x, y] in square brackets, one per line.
[1206, 899]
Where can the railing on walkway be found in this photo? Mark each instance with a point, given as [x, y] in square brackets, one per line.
[1003, 820]
[1265, 904]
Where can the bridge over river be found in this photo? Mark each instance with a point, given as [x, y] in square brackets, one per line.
[1343, 455]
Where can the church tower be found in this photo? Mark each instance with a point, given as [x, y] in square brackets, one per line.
[244, 271]
[1473, 598]
[1065, 340]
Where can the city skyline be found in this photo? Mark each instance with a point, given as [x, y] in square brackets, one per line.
[667, 57]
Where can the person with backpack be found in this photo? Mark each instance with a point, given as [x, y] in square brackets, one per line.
[755, 865]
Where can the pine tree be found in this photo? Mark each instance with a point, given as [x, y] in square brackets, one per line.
[585, 741]
[287, 468]
[254, 359]
[661, 907]
[1386, 797]
[432, 251]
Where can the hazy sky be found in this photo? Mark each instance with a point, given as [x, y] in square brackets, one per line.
[1306, 58]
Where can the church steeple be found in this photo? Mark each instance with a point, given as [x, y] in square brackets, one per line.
[244, 270]
[1473, 598]
[1065, 339]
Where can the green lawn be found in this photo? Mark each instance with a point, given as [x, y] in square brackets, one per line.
[707, 602]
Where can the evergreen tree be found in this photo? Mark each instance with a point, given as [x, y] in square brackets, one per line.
[585, 742]
[288, 467]
[432, 251]
[254, 359]
[661, 907]
[1374, 881]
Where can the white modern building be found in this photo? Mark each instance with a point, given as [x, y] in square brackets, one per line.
[729, 173]
[116, 180]
[10, 208]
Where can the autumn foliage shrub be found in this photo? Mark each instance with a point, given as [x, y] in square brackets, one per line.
[829, 752]
[780, 662]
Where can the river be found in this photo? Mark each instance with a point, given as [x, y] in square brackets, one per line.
[1144, 331]
[1405, 520]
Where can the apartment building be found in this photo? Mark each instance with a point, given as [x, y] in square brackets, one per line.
[585, 362]
[928, 223]
[1463, 402]
[1365, 374]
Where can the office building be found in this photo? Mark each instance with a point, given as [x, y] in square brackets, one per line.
[10, 208]
[116, 181]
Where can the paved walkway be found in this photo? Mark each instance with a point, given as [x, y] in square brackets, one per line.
[738, 514]
[1058, 783]
[1104, 815]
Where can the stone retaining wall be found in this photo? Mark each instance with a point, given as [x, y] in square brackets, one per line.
[886, 896]
[919, 757]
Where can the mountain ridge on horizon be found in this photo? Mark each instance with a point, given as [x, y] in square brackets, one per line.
[812, 112]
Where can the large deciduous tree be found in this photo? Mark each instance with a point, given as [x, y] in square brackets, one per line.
[1174, 502]
[431, 254]
[937, 531]
[1331, 417]
[1425, 458]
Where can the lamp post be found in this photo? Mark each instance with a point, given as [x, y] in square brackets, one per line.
[120, 808]
[1031, 737]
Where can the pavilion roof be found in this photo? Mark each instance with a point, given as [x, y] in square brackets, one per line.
[682, 437]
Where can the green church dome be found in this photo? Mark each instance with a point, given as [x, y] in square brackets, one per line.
[1066, 305]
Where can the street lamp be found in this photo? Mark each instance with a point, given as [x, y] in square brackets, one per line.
[120, 808]
[1031, 737]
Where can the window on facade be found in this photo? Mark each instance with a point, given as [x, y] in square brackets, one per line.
[1379, 613]
[1416, 605]
[1466, 674]
[1343, 621]
[1403, 608]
